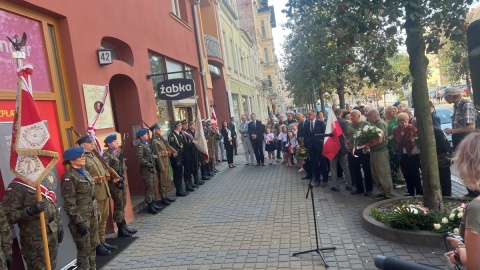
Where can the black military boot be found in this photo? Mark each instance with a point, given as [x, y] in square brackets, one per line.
[129, 230]
[108, 246]
[121, 230]
[102, 251]
[165, 202]
[152, 210]
[188, 185]
[171, 199]
[157, 207]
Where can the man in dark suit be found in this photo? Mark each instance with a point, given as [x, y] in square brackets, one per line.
[256, 130]
[314, 143]
[233, 130]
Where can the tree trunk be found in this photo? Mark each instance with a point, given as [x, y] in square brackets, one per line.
[322, 100]
[418, 69]
[341, 87]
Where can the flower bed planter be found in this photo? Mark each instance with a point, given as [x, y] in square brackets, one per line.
[416, 238]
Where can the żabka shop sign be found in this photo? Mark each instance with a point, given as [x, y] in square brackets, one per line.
[175, 89]
[13, 24]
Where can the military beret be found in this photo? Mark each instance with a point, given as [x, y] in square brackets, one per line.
[397, 103]
[85, 138]
[110, 138]
[154, 126]
[192, 122]
[184, 122]
[141, 132]
[176, 124]
[73, 153]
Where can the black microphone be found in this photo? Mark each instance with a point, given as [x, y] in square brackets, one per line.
[390, 263]
[324, 135]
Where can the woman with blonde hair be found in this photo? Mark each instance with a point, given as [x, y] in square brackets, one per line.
[466, 159]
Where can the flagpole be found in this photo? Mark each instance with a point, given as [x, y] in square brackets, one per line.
[19, 55]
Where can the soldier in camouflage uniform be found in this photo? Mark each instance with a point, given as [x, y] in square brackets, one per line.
[119, 189]
[78, 191]
[163, 152]
[147, 169]
[6, 258]
[176, 139]
[102, 192]
[212, 136]
[21, 206]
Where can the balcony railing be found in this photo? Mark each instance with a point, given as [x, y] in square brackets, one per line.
[213, 46]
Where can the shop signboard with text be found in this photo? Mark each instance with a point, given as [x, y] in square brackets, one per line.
[13, 24]
[175, 89]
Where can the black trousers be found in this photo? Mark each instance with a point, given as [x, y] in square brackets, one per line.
[318, 164]
[307, 166]
[177, 173]
[411, 171]
[235, 146]
[356, 164]
[188, 162]
[445, 180]
[229, 150]
[257, 145]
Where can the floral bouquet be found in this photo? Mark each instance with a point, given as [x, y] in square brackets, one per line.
[366, 136]
[302, 151]
[453, 221]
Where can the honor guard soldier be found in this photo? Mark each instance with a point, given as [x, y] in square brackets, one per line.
[146, 158]
[176, 139]
[213, 135]
[161, 149]
[21, 206]
[114, 158]
[100, 175]
[6, 240]
[188, 157]
[197, 156]
[78, 191]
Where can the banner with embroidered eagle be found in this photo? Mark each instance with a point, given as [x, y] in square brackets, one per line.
[32, 152]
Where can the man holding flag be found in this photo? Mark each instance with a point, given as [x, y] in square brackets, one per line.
[335, 150]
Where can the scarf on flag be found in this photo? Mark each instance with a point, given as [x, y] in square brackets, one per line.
[32, 153]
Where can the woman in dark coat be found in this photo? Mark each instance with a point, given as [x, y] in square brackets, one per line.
[228, 142]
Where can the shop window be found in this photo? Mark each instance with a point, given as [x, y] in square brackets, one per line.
[157, 65]
[120, 50]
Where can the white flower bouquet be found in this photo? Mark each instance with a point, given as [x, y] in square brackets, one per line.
[366, 136]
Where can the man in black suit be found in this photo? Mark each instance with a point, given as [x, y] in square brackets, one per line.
[233, 130]
[314, 143]
[256, 130]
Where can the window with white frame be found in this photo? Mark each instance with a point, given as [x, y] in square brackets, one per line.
[175, 8]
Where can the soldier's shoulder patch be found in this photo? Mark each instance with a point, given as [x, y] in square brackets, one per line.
[172, 139]
[66, 180]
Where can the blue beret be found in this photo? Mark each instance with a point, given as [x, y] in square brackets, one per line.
[154, 126]
[397, 103]
[73, 153]
[141, 132]
[110, 138]
[84, 138]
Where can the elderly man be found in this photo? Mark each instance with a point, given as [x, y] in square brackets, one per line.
[247, 144]
[463, 120]
[379, 158]
[359, 159]
[399, 106]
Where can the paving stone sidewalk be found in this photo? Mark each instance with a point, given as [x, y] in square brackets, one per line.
[255, 218]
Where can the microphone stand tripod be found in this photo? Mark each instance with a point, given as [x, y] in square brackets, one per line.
[318, 250]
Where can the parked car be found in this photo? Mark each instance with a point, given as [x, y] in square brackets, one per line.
[445, 115]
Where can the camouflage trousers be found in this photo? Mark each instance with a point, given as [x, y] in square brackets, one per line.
[119, 196]
[3, 260]
[103, 211]
[32, 245]
[86, 244]
[148, 178]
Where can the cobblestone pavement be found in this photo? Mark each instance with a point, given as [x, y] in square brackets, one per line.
[255, 218]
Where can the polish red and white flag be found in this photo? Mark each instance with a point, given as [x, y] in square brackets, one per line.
[32, 152]
[213, 117]
[331, 145]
